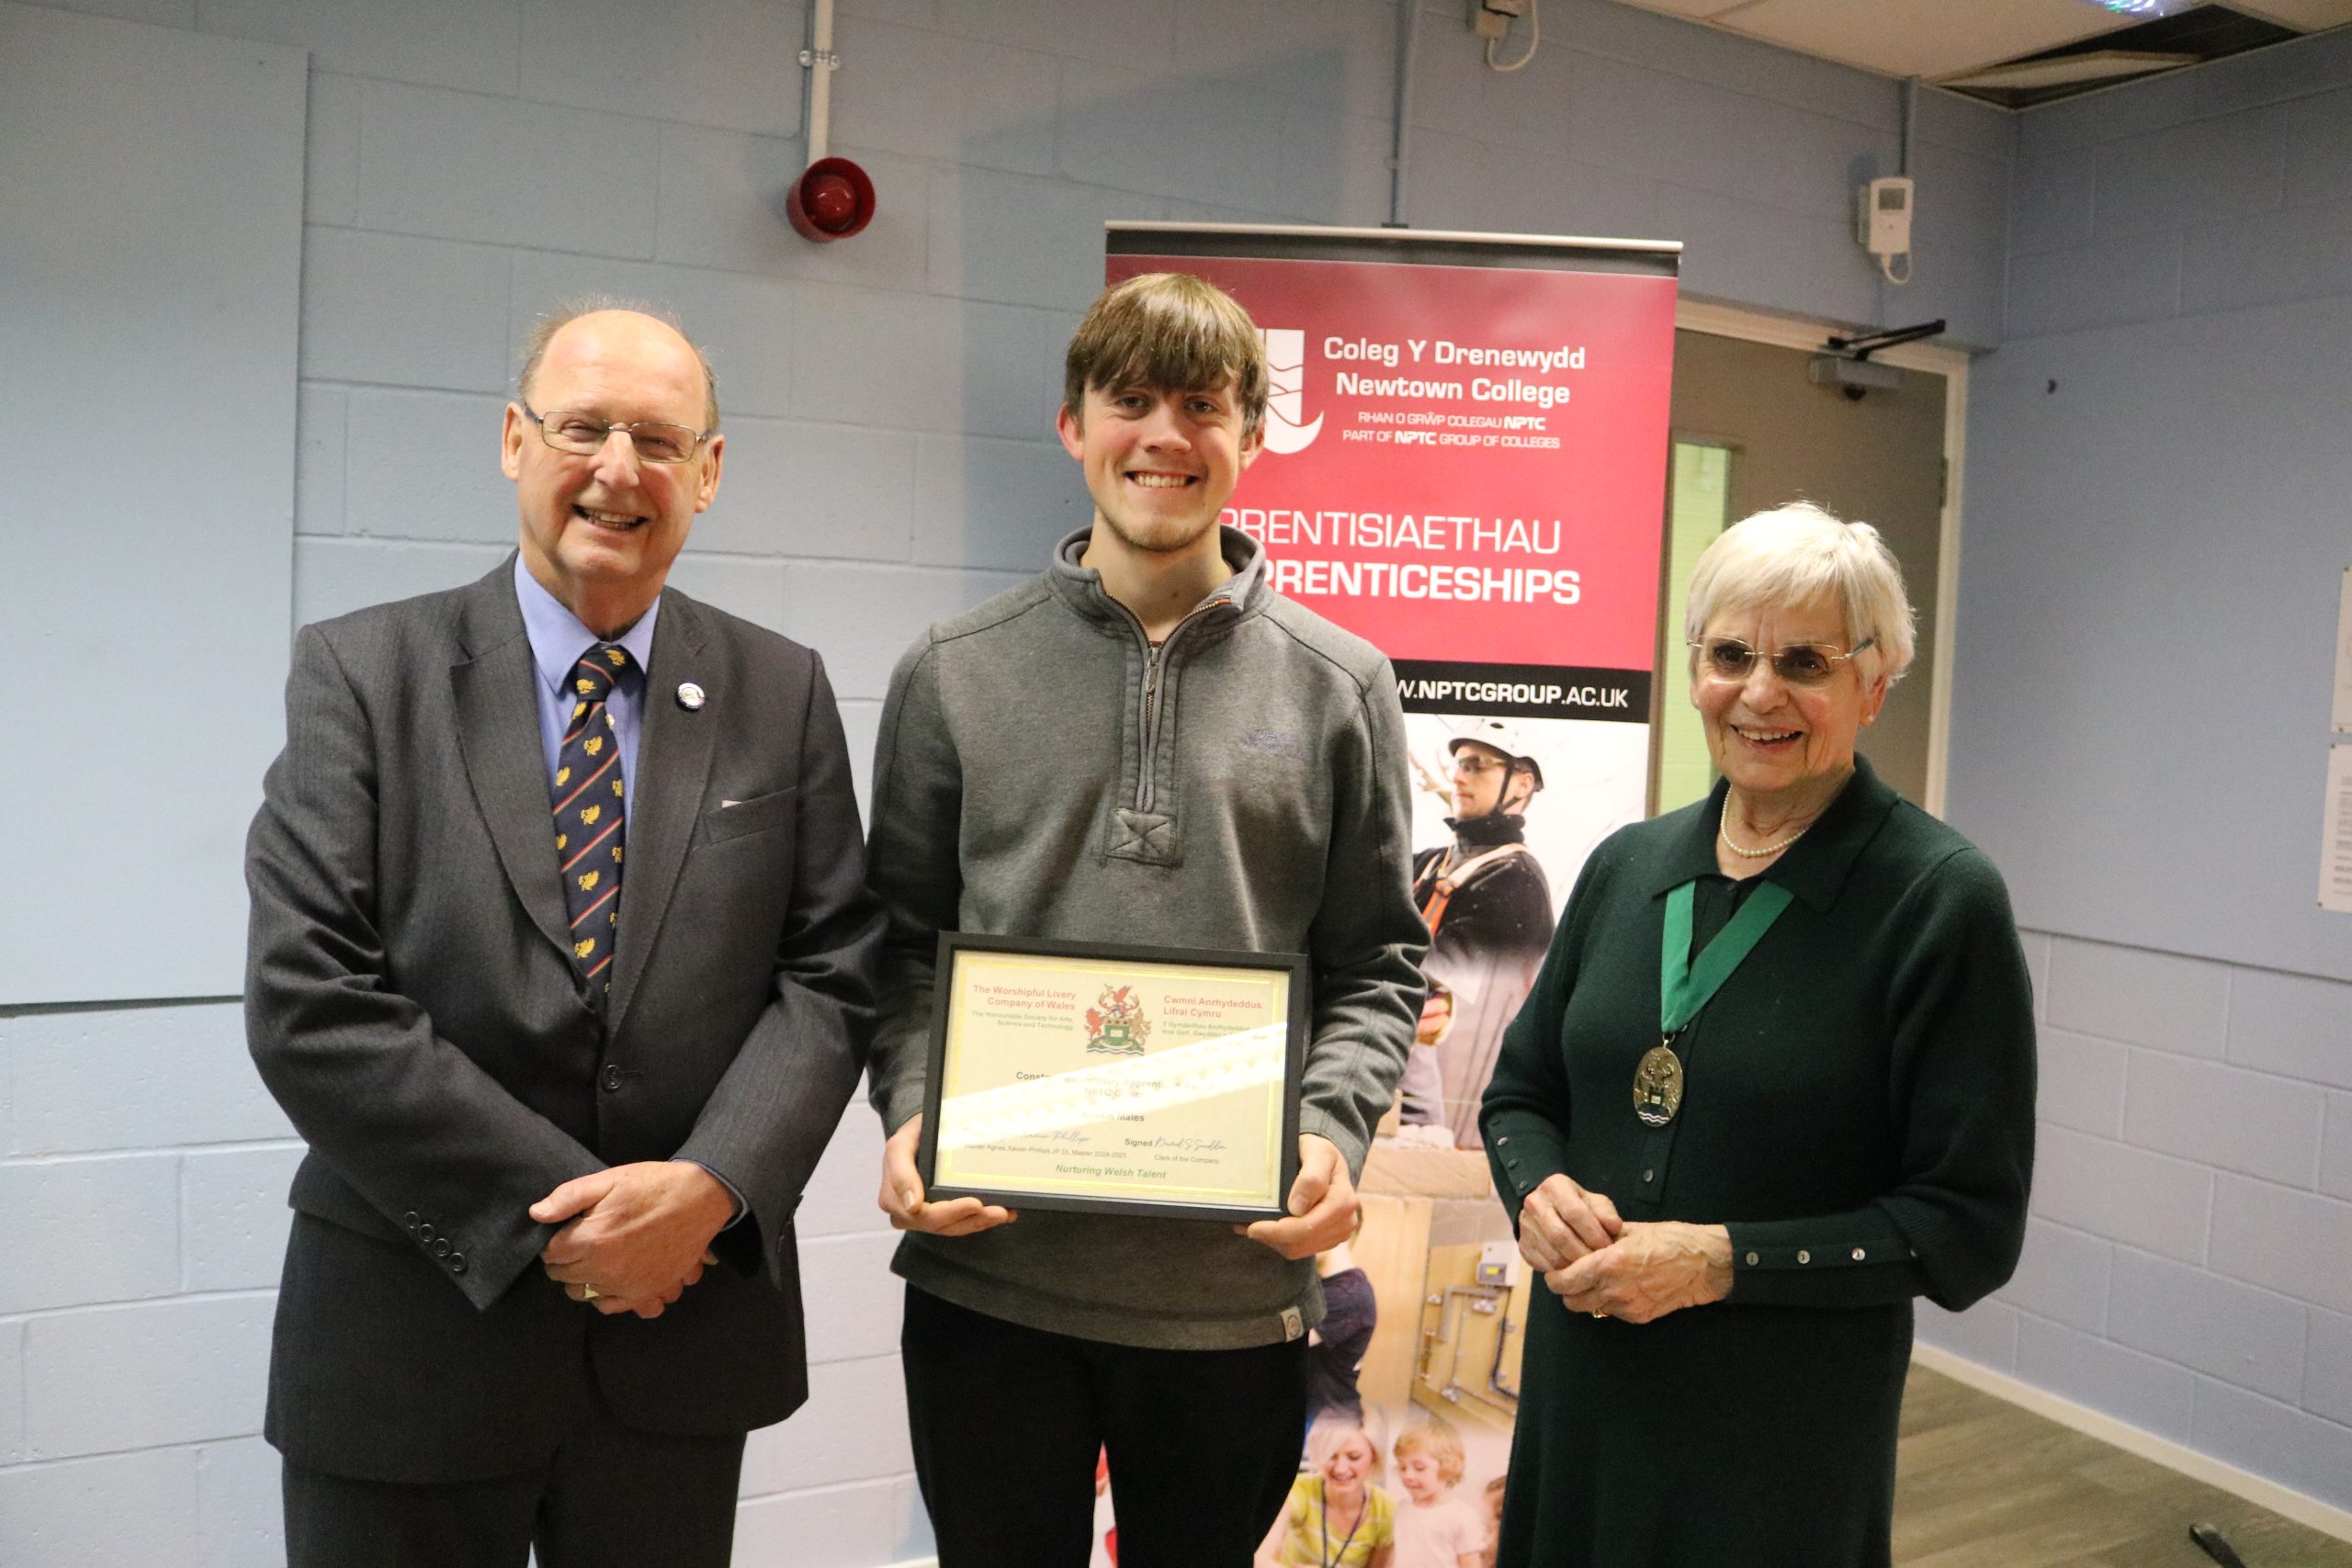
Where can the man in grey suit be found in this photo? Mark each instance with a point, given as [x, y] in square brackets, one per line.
[560, 960]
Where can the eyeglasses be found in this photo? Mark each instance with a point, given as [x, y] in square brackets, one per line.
[1798, 664]
[1468, 761]
[567, 430]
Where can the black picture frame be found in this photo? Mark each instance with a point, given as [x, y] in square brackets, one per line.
[1291, 966]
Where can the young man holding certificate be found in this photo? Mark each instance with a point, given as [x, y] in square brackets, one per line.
[1146, 746]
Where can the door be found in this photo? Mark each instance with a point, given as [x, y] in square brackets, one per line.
[1751, 432]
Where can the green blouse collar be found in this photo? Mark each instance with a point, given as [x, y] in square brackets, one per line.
[1814, 868]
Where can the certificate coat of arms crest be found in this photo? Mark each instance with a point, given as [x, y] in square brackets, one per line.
[1116, 1025]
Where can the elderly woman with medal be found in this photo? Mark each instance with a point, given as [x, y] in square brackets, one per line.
[1774, 1081]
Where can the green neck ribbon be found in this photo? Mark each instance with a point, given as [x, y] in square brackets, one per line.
[1684, 987]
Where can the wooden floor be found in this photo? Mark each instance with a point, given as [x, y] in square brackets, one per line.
[1982, 1484]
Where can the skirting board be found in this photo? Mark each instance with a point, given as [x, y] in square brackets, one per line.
[2319, 1516]
[2322, 1517]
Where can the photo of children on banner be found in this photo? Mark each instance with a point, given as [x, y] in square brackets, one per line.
[1436, 1528]
[1338, 1515]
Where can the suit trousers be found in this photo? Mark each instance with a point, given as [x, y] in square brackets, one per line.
[1008, 1423]
[609, 1497]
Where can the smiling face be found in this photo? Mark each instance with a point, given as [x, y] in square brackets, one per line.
[1781, 745]
[1347, 1464]
[599, 530]
[1161, 464]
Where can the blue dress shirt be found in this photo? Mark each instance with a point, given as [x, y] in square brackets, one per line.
[558, 640]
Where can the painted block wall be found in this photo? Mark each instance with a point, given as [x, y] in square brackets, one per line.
[887, 404]
[2157, 477]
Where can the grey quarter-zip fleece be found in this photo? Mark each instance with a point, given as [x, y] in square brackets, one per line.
[1043, 771]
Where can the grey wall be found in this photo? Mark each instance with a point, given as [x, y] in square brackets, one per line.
[2148, 598]
[888, 405]
[151, 203]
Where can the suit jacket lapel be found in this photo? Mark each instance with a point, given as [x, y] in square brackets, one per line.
[674, 748]
[497, 737]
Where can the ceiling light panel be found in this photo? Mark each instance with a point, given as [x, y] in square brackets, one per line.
[1933, 39]
[2310, 16]
[2099, 65]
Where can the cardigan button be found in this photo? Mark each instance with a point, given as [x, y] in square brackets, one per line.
[1751, 1260]
[1858, 1254]
[1803, 1257]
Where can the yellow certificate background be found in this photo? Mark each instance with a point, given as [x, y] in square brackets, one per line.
[1149, 1127]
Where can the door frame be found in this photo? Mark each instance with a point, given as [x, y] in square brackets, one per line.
[1951, 364]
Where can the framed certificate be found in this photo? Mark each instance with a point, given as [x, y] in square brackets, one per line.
[1126, 1081]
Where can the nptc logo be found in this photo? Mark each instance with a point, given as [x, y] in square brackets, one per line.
[1286, 394]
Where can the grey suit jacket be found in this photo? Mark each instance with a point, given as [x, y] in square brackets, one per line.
[411, 1002]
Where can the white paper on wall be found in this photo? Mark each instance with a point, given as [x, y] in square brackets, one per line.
[2335, 834]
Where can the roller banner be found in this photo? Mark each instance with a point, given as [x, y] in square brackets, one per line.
[1465, 464]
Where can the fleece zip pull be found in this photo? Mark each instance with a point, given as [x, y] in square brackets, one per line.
[1154, 656]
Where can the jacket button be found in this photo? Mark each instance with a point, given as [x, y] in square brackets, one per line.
[441, 1247]
[612, 1080]
[411, 1221]
[457, 1263]
[425, 1232]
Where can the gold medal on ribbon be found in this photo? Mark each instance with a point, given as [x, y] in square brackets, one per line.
[1657, 1086]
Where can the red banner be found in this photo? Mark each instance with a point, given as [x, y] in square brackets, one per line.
[1465, 465]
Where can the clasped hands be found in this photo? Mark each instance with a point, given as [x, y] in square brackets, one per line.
[1598, 1263]
[635, 1234]
[1322, 1200]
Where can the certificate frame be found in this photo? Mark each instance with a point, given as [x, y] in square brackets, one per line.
[1273, 1108]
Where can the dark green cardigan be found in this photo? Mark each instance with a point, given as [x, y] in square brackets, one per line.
[1858, 1111]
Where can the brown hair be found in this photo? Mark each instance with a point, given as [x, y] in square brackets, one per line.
[566, 311]
[1167, 331]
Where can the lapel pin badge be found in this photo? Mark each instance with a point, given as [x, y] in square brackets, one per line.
[690, 697]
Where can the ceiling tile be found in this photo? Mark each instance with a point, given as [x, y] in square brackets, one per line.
[1933, 39]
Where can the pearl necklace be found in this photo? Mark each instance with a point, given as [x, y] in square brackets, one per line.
[1723, 830]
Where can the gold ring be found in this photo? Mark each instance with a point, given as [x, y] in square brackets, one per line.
[590, 1292]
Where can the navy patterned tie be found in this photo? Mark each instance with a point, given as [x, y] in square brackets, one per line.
[588, 815]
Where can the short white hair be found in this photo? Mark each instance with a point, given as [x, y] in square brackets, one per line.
[1796, 553]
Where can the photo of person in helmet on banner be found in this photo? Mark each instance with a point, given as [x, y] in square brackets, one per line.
[1489, 908]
